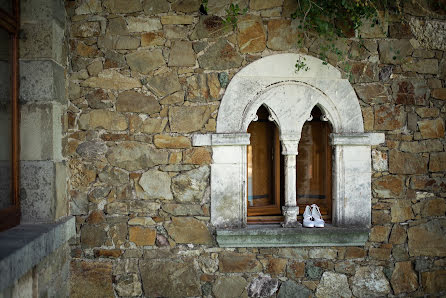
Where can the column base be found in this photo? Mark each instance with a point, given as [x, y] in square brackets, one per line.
[290, 213]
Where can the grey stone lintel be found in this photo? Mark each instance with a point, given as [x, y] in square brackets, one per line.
[24, 246]
[221, 139]
[276, 236]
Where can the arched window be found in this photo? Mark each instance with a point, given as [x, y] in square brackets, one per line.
[313, 164]
[263, 165]
[308, 149]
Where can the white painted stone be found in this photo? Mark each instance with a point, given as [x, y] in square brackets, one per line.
[290, 97]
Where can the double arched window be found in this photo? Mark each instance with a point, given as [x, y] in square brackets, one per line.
[286, 139]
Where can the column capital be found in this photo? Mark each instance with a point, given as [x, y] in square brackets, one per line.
[289, 147]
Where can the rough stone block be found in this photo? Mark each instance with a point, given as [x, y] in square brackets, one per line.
[41, 80]
[42, 10]
[40, 192]
[41, 132]
[42, 40]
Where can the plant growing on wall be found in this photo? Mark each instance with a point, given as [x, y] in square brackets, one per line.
[327, 21]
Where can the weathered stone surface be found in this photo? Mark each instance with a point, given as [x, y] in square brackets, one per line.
[91, 149]
[209, 26]
[354, 253]
[156, 184]
[282, 35]
[434, 207]
[235, 262]
[434, 282]
[393, 51]
[220, 56]
[182, 54]
[370, 281]
[276, 266]
[229, 286]
[95, 278]
[379, 233]
[251, 37]
[389, 186]
[407, 163]
[92, 235]
[186, 119]
[312, 271]
[428, 184]
[410, 91]
[428, 239]
[142, 236]
[421, 65]
[143, 24]
[183, 209]
[264, 4]
[398, 235]
[151, 125]
[155, 7]
[144, 61]
[186, 6]
[333, 285]
[103, 119]
[114, 59]
[107, 253]
[123, 6]
[141, 221]
[439, 93]
[89, 7]
[379, 160]
[177, 20]
[262, 287]
[197, 156]
[144, 207]
[95, 68]
[117, 208]
[203, 87]
[151, 39]
[372, 93]
[164, 84]
[291, 289]
[437, 162]
[389, 117]
[132, 101]
[78, 203]
[117, 26]
[404, 279]
[85, 29]
[421, 146]
[369, 118]
[426, 112]
[189, 230]
[431, 129]
[118, 42]
[129, 285]
[401, 211]
[190, 186]
[111, 79]
[135, 156]
[171, 142]
[430, 33]
[169, 278]
[113, 176]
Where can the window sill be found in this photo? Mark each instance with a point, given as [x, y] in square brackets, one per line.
[24, 246]
[276, 236]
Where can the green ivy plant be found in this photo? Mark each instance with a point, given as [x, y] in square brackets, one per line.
[232, 15]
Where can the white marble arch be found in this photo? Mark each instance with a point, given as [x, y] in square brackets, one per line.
[290, 96]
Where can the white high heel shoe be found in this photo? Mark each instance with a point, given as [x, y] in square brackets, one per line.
[317, 216]
[308, 219]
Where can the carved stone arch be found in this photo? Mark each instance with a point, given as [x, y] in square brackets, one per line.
[274, 76]
[290, 96]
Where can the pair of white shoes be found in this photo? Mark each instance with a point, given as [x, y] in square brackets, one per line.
[313, 217]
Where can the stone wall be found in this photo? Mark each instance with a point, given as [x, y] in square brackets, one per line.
[146, 75]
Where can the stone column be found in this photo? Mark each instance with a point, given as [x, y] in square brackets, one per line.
[290, 210]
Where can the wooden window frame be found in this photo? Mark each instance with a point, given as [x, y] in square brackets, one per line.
[10, 216]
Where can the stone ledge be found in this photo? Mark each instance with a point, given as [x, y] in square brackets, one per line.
[276, 236]
[24, 246]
